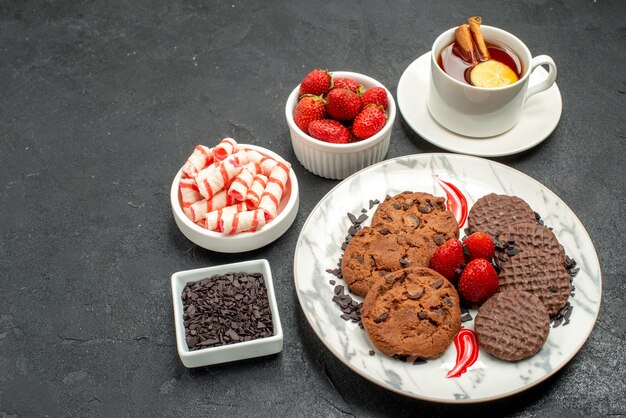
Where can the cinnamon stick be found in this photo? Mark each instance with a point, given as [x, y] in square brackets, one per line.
[465, 43]
[477, 33]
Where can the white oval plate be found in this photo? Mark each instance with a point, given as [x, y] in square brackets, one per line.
[541, 115]
[318, 249]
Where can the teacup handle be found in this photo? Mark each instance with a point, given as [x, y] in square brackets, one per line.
[548, 81]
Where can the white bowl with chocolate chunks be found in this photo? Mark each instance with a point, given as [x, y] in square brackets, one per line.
[226, 313]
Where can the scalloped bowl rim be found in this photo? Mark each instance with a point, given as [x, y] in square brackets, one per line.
[292, 101]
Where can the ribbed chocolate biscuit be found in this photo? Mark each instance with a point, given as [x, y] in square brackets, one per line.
[418, 212]
[538, 273]
[512, 325]
[530, 236]
[494, 212]
[412, 312]
[371, 254]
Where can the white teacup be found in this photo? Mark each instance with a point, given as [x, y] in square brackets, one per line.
[477, 111]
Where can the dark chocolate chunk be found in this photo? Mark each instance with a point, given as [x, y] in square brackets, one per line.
[383, 316]
[351, 217]
[415, 296]
[552, 288]
[421, 315]
[372, 352]
[404, 262]
[362, 218]
[437, 284]
[466, 317]
[438, 239]
[424, 209]
[512, 251]
[414, 219]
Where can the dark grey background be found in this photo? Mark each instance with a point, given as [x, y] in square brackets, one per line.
[100, 104]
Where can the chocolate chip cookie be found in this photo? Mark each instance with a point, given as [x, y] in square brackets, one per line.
[371, 254]
[418, 212]
[412, 312]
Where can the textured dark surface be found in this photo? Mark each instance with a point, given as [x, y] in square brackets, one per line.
[101, 103]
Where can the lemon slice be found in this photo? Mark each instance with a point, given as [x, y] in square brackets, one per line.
[491, 74]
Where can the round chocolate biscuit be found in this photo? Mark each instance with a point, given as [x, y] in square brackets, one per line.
[527, 236]
[412, 312]
[538, 273]
[418, 212]
[512, 325]
[494, 212]
[371, 254]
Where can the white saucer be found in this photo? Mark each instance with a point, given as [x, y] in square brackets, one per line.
[541, 115]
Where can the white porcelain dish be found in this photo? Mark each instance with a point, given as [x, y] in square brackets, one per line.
[318, 249]
[540, 116]
[245, 241]
[231, 352]
[338, 161]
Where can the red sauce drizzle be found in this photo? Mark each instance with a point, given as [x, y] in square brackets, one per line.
[455, 202]
[466, 345]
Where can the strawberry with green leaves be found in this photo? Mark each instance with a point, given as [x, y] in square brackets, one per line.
[317, 82]
[309, 108]
[375, 95]
[369, 121]
[478, 282]
[348, 83]
[342, 104]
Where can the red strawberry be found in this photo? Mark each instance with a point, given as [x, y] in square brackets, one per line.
[348, 83]
[316, 82]
[369, 122]
[329, 130]
[478, 282]
[447, 259]
[479, 245]
[342, 104]
[309, 108]
[375, 95]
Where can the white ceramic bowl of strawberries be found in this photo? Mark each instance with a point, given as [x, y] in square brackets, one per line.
[340, 160]
[242, 241]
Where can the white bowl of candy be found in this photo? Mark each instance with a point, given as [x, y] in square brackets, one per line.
[234, 197]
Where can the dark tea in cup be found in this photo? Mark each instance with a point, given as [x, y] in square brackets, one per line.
[471, 60]
[451, 61]
[503, 68]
